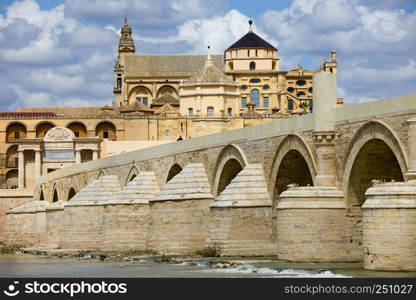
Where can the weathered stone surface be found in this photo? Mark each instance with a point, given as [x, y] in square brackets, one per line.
[26, 224]
[83, 219]
[311, 225]
[179, 214]
[389, 227]
[54, 224]
[126, 216]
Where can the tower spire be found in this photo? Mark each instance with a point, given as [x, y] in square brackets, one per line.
[250, 22]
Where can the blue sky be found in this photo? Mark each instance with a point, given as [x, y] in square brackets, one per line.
[61, 52]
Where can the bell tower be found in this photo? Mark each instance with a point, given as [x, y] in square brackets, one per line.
[125, 47]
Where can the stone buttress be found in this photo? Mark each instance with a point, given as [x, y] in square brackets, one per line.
[126, 216]
[241, 216]
[26, 224]
[83, 220]
[179, 214]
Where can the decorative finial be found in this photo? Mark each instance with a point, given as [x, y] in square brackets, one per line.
[209, 61]
[125, 19]
[250, 22]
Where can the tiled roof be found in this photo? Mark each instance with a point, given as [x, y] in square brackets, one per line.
[167, 65]
[251, 40]
[209, 73]
[136, 107]
[165, 99]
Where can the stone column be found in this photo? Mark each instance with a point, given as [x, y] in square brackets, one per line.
[411, 146]
[325, 96]
[38, 164]
[94, 154]
[21, 171]
[77, 156]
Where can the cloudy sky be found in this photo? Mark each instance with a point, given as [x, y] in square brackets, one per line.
[61, 52]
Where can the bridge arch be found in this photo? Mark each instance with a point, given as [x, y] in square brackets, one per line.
[174, 170]
[132, 174]
[375, 152]
[71, 193]
[292, 163]
[55, 195]
[100, 174]
[229, 163]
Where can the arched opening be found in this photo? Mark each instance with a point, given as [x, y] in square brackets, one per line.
[289, 104]
[167, 90]
[274, 65]
[231, 168]
[15, 131]
[292, 169]
[174, 170]
[43, 128]
[71, 193]
[141, 94]
[42, 196]
[55, 196]
[11, 179]
[375, 160]
[12, 158]
[106, 130]
[86, 155]
[132, 177]
[78, 129]
[252, 66]
[230, 66]
[210, 111]
[255, 97]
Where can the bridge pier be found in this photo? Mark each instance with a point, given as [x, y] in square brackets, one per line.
[311, 221]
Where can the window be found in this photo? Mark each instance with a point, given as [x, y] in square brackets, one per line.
[105, 135]
[167, 133]
[142, 100]
[255, 97]
[17, 135]
[255, 80]
[190, 111]
[301, 82]
[231, 66]
[16, 162]
[310, 106]
[244, 88]
[210, 111]
[266, 102]
[310, 90]
[248, 53]
[243, 101]
[291, 90]
[300, 94]
[252, 66]
[289, 104]
[181, 126]
[119, 83]
[229, 111]
[266, 88]
[256, 53]
[76, 133]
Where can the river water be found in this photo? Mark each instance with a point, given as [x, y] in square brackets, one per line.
[15, 266]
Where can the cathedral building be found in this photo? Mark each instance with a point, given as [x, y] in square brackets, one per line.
[157, 99]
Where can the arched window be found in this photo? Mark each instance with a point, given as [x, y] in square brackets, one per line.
[255, 80]
[231, 66]
[71, 193]
[290, 89]
[289, 104]
[210, 111]
[301, 82]
[229, 111]
[252, 66]
[106, 130]
[78, 129]
[300, 94]
[243, 101]
[255, 97]
[15, 131]
[43, 128]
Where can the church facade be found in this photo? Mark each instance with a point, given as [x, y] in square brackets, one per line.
[158, 99]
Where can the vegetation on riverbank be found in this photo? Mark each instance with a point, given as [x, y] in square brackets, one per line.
[8, 249]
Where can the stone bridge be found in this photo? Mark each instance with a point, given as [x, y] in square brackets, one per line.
[294, 188]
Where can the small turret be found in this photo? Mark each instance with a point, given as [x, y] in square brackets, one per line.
[331, 66]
